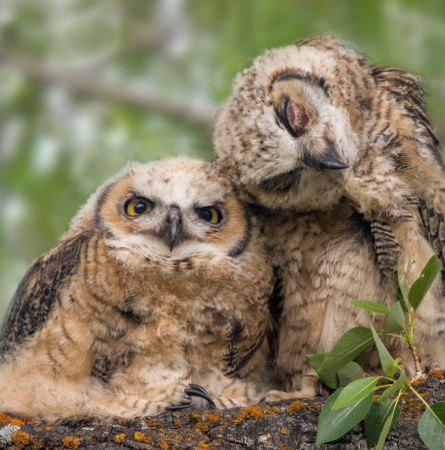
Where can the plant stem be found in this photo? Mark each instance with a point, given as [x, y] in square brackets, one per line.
[418, 396]
[394, 335]
[409, 340]
[416, 360]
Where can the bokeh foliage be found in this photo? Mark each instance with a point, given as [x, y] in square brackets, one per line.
[59, 141]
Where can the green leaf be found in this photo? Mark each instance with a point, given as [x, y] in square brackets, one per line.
[355, 391]
[334, 424]
[432, 426]
[363, 357]
[394, 367]
[385, 358]
[379, 415]
[371, 306]
[395, 387]
[390, 420]
[402, 294]
[420, 287]
[347, 348]
[401, 299]
[396, 319]
[316, 360]
[351, 372]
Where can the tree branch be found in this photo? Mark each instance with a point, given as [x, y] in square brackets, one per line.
[288, 425]
[88, 84]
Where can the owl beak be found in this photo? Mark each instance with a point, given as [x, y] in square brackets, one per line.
[173, 228]
[329, 159]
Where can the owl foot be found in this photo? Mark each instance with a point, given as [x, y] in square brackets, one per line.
[194, 390]
[278, 396]
[180, 406]
[198, 391]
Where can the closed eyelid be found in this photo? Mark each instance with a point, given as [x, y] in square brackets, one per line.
[303, 76]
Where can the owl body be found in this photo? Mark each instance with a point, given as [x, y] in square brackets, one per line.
[343, 154]
[130, 310]
[324, 260]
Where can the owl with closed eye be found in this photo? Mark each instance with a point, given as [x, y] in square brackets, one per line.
[340, 162]
[157, 297]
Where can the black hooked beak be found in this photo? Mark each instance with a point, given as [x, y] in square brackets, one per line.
[329, 159]
[173, 233]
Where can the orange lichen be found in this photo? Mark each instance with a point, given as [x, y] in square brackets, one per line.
[203, 445]
[249, 412]
[163, 445]
[295, 406]
[204, 423]
[152, 424]
[177, 422]
[272, 410]
[437, 373]
[255, 412]
[215, 417]
[71, 442]
[120, 437]
[284, 431]
[21, 438]
[17, 422]
[138, 436]
[7, 419]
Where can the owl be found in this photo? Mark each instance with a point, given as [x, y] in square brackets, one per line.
[159, 288]
[341, 164]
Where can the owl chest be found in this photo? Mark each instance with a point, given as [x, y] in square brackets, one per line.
[147, 322]
[315, 253]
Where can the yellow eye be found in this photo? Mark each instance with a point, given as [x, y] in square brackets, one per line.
[137, 206]
[211, 214]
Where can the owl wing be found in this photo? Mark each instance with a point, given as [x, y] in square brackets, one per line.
[38, 291]
[433, 225]
[245, 339]
[418, 161]
[406, 91]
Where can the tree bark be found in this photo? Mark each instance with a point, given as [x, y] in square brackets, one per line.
[287, 425]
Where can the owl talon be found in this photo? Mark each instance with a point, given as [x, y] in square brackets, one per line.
[199, 391]
[179, 407]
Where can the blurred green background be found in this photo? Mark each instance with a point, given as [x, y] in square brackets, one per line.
[87, 85]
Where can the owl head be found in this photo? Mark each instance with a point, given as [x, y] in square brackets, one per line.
[165, 212]
[301, 117]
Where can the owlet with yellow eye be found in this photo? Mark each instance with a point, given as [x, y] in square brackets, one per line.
[157, 297]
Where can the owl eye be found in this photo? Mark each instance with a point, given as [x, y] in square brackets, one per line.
[293, 116]
[137, 206]
[211, 214]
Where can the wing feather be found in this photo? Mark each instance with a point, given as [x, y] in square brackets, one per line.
[434, 228]
[37, 293]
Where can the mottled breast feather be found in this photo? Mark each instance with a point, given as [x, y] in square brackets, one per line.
[37, 293]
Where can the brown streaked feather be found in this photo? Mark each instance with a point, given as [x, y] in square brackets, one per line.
[434, 228]
[37, 293]
[386, 247]
[106, 365]
[407, 92]
[276, 308]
